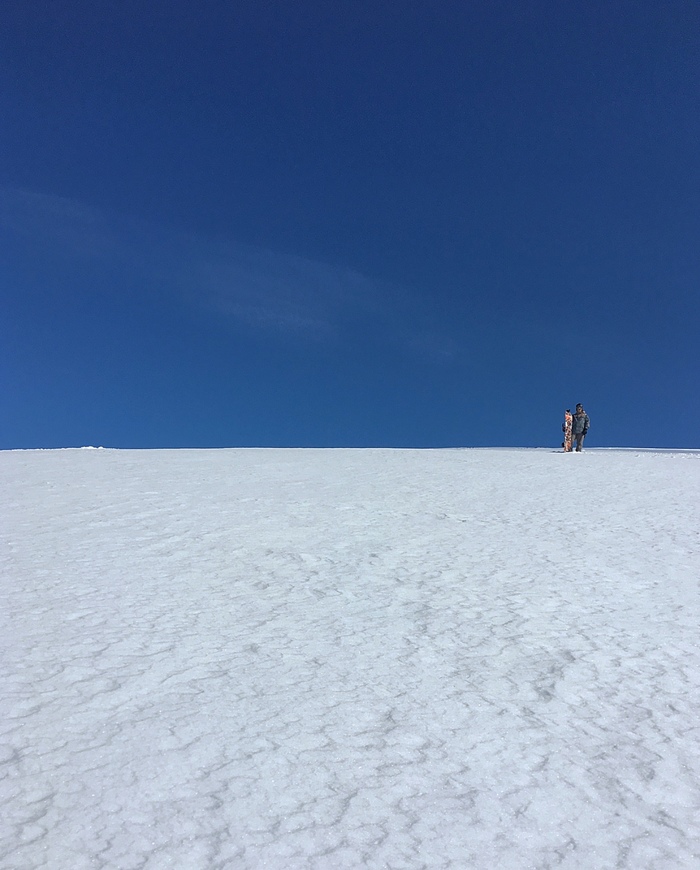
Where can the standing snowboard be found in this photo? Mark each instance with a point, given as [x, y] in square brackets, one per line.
[567, 443]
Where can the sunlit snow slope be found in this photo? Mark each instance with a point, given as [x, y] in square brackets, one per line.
[349, 658]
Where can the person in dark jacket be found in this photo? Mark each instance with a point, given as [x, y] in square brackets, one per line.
[580, 426]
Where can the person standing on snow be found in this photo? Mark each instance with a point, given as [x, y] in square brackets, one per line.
[580, 426]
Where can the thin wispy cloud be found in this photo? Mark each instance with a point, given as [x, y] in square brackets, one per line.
[257, 288]
[55, 223]
[272, 290]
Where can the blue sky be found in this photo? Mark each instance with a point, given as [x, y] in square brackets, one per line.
[348, 224]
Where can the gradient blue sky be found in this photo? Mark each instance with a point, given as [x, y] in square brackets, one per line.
[263, 222]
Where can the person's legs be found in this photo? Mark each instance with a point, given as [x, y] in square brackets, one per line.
[579, 441]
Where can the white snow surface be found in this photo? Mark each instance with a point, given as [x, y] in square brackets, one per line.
[349, 659]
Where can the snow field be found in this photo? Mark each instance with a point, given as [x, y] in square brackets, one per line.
[349, 658]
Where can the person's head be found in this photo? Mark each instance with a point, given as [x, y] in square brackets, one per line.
[579, 407]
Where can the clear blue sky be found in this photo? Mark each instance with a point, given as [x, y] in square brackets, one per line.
[263, 222]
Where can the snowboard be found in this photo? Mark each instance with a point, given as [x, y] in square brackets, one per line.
[566, 427]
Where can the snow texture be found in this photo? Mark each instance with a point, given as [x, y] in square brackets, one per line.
[349, 659]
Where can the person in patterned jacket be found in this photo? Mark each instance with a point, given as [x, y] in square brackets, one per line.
[580, 426]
